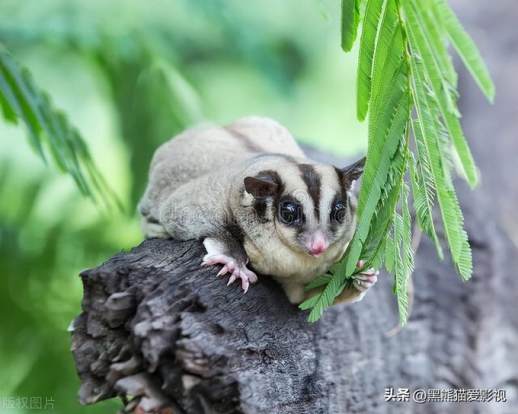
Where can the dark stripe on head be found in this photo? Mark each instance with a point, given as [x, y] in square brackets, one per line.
[275, 155]
[312, 180]
[248, 143]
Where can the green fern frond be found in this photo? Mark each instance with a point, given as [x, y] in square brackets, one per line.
[373, 247]
[423, 46]
[423, 195]
[318, 282]
[405, 69]
[49, 130]
[373, 11]
[404, 255]
[326, 298]
[465, 47]
[423, 41]
[309, 303]
[349, 23]
[390, 248]
[449, 206]
[391, 109]
[389, 49]
[439, 38]
[378, 252]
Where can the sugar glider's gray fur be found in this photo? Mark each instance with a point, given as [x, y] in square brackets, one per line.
[250, 193]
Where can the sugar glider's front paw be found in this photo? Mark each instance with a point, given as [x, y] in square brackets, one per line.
[363, 281]
[236, 268]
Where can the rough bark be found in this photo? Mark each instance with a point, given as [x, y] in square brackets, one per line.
[153, 314]
[156, 325]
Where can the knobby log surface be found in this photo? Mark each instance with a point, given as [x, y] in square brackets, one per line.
[157, 324]
[158, 327]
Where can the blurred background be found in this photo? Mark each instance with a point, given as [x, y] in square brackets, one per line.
[129, 75]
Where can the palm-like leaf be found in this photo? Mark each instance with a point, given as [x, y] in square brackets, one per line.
[49, 129]
[449, 206]
[466, 48]
[367, 47]
[405, 266]
[386, 139]
[423, 191]
[421, 38]
[349, 23]
[397, 35]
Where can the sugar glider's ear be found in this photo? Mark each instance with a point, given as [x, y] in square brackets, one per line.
[261, 186]
[352, 172]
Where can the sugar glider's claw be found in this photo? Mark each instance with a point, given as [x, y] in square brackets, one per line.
[224, 270]
[245, 284]
[363, 281]
[247, 277]
[238, 271]
[212, 259]
[252, 277]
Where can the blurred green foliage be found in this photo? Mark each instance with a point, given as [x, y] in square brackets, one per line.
[130, 74]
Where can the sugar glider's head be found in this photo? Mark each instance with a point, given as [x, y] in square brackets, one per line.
[309, 206]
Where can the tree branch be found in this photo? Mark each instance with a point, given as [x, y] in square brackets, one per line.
[157, 326]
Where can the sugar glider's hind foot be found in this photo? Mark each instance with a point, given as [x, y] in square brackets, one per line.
[236, 268]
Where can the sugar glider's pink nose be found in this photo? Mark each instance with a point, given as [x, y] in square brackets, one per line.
[318, 244]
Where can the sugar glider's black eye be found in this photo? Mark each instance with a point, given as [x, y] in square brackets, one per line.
[338, 212]
[290, 213]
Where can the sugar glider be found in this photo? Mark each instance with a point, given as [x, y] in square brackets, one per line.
[259, 205]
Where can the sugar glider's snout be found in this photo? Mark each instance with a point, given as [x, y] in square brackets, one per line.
[317, 243]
